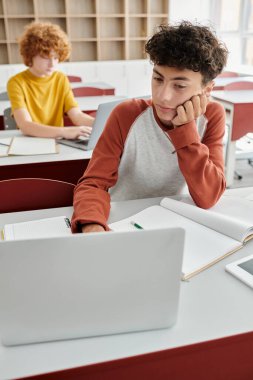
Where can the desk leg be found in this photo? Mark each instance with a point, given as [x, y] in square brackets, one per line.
[230, 162]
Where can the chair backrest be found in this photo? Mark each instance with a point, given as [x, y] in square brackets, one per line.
[88, 91]
[228, 74]
[9, 121]
[4, 95]
[73, 78]
[242, 85]
[24, 194]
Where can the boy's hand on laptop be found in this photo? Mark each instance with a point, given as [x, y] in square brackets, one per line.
[190, 110]
[92, 227]
[75, 132]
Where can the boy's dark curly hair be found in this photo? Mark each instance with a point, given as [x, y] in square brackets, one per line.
[188, 46]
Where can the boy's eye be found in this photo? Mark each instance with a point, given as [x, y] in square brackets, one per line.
[158, 79]
[180, 86]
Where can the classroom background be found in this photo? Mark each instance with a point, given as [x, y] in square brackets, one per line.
[108, 37]
[213, 336]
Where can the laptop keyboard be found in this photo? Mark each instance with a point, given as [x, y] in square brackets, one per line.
[81, 142]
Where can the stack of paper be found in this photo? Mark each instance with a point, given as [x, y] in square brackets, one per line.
[41, 228]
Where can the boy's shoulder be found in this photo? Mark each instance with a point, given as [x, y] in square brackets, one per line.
[19, 76]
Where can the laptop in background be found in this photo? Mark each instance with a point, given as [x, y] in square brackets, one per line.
[102, 114]
[88, 285]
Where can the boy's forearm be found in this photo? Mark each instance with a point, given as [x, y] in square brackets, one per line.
[91, 206]
[80, 118]
[31, 128]
[205, 178]
[201, 162]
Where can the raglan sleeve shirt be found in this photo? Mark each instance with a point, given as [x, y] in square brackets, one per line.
[200, 161]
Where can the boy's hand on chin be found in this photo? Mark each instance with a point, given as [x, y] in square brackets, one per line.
[190, 110]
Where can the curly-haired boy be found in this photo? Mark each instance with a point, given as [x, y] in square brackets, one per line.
[41, 95]
[153, 148]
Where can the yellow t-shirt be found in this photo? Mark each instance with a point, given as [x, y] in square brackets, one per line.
[46, 99]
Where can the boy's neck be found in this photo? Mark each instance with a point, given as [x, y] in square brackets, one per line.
[36, 74]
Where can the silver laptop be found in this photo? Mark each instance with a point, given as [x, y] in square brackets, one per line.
[102, 114]
[87, 285]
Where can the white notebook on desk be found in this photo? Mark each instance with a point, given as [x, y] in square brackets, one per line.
[24, 146]
[35, 229]
[210, 234]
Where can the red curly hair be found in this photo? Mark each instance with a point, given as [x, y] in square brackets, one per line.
[41, 38]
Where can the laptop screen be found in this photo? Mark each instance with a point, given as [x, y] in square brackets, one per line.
[103, 112]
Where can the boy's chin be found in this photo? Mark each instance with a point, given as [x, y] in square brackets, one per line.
[49, 72]
[166, 122]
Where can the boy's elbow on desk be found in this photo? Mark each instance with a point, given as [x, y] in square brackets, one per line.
[207, 201]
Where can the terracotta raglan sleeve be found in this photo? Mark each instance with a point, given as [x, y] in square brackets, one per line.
[91, 197]
[201, 161]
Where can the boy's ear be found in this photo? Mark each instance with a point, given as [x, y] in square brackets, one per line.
[208, 88]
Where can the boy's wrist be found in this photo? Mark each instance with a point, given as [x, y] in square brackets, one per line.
[92, 227]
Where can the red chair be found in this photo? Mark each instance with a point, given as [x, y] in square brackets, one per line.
[73, 78]
[24, 194]
[228, 74]
[88, 91]
[242, 85]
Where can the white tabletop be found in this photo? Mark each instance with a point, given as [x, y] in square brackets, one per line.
[86, 103]
[66, 153]
[227, 80]
[235, 97]
[213, 304]
[102, 85]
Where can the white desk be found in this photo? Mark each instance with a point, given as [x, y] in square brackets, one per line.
[239, 116]
[86, 103]
[103, 85]
[68, 165]
[223, 81]
[213, 304]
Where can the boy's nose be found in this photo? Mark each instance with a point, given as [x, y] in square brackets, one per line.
[166, 95]
[51, 62]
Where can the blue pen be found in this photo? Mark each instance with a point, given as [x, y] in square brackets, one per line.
[136, 225]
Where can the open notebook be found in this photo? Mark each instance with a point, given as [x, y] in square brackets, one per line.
[210, 234]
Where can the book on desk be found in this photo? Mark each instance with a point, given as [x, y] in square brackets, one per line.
[211, 234]
[24, 145]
